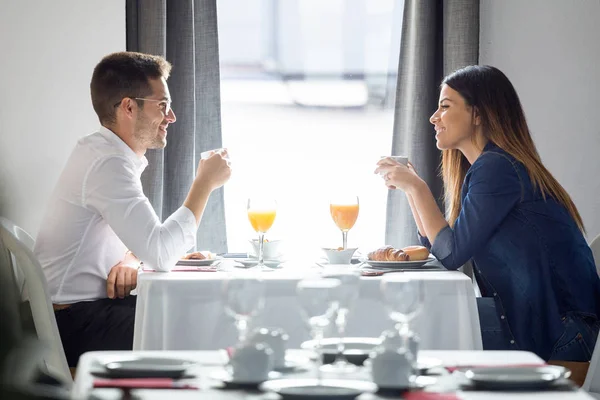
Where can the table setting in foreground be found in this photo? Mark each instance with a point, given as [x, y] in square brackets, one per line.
[466, 375]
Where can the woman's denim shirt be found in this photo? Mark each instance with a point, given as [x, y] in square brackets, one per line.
[528, 252]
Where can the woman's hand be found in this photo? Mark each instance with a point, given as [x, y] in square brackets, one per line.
[397, 175]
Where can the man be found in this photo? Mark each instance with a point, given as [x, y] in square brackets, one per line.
[99, 217]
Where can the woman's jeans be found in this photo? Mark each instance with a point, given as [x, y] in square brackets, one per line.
[575, 344]
[578, 339]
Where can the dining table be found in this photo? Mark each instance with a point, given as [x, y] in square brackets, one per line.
[185, 309]
[446, 383]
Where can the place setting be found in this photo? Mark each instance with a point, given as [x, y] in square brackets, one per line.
[262, 354]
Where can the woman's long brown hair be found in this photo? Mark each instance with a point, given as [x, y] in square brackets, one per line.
[494, 98]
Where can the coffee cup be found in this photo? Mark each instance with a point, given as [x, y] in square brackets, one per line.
[391, 340]
[208, 153]
[251, 362]
[276, 339]
[400, 159]
[391, 369]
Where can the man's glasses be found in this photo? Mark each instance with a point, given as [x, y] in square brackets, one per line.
[164, 105]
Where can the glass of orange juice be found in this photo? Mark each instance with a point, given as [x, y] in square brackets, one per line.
[344, 211]
[261, 213]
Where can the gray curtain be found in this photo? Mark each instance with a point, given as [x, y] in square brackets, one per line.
[185, 33]
[438, 36]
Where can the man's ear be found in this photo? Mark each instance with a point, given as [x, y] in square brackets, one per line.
[127, 107]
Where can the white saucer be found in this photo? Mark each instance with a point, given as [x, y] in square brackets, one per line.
[227, 378]
[251, 262]
[294, 388]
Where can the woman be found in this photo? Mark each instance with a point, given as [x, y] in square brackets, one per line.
[508, 214]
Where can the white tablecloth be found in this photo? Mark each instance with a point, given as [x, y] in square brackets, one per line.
[211, 360]
[184, 311]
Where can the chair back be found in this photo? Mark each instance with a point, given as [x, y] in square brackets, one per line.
[36, 287]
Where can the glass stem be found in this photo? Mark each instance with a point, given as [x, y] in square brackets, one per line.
[340, 322]
[242, 326]
[318, 335]
[261, 238]
[345, 239]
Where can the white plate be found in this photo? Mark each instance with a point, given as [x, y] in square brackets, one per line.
[198, 263]
[146, 367]
[251, 262]
[502, 378]
[400, 264]
[298, 389]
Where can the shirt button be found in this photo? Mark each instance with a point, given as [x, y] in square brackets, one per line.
[495, 294]
[502, 317]
[512, 342]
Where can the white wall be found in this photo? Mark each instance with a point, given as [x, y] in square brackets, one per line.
[550, 51]
[48, 50]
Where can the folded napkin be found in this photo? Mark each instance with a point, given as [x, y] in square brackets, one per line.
[142, 383]
[458, 367]
[186, 269]
[429, 396]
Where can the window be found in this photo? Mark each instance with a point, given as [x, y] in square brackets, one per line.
[307, 92]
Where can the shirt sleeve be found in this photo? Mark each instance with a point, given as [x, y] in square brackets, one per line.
[493, 189]
[114, 190]
[424, 241]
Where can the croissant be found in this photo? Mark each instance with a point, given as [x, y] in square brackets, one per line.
[388, 253]
[194, 256]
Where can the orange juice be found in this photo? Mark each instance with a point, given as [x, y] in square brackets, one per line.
[261, 220]
[344, 215]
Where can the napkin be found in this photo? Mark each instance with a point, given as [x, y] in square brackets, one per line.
[187, 269]
[457, 367]
[429, 396]
[142, 383]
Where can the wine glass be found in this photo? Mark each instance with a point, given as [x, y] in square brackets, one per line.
[344, 211]
[346, 295]
[261, 213]
[404, 300]
[317, 305]
[244, 298]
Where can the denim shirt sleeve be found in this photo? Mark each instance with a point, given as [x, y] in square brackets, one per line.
[493, 188]
[424, 241]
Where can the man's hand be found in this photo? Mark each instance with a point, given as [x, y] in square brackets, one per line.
[215, 170]
[122, 279]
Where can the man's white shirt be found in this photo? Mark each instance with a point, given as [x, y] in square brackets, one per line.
[96, 213]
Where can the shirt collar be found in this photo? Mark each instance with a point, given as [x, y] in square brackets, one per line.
[140, 163]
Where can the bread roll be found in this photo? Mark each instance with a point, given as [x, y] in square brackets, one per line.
[416, 253]
[388, 253]
[199, 255]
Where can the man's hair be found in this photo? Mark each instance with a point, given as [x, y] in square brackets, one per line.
[124, 74]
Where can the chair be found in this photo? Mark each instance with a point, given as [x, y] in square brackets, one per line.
[34, 282]
[592, 379]
[595, 246]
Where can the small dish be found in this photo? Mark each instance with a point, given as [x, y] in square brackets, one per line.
[228, 380]
[147, 367]
[333, 389]
[339, 256]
